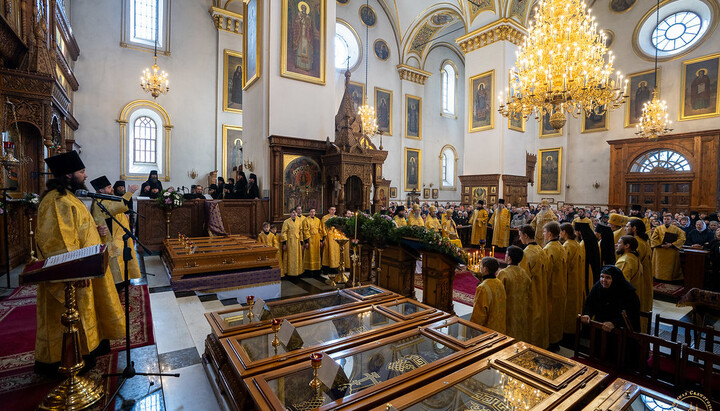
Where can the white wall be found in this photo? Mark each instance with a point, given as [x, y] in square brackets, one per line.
[109, 74]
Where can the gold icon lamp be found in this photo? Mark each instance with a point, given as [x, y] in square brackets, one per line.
[276, 323]
[316, 361]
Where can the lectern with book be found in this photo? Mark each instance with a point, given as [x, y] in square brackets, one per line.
[75, 392]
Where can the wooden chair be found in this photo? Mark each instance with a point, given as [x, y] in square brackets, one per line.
[657, 360]
[605, 348]
[646, 325]
[692, 335]
[701, 368]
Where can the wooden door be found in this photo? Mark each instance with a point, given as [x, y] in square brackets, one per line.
[673, 196]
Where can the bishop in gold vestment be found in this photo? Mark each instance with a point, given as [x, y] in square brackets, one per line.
[114, 239]
[331, 249]
[501, 225]
[557, 285]
[575, 278]
[291, 237]
[535, 263]
[415, 218]
[313, 233]
[545, 216]
[431, 222]
[517, 284]
[490, 304]
[666, 256]
[65, 224]
[479, 222]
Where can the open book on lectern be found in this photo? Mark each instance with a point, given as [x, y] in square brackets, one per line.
[82, 264]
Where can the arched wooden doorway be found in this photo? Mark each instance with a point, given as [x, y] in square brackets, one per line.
[354, 193]
[660, 179]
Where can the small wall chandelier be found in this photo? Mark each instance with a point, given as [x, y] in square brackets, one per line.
[366, 112]
[154, 81]
[562, 67]
[654, 120]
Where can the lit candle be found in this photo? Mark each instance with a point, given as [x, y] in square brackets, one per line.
[316, 358]
[356, 224]
[250, 299]
[276, 322]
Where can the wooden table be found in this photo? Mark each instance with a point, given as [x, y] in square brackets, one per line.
[622, 395]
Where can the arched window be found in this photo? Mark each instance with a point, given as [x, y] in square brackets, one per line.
[449, 79]
[347, 46]
[665, 159]
[143, 21]
[145, 134]
[448, 167]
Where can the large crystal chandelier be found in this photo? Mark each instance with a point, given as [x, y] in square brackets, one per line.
[654, 120]
[154, 81]
[563, 67]
[366, 112]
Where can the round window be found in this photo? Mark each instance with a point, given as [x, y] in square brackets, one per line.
[347, 46]
[676, 31]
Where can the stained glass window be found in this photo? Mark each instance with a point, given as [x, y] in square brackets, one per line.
[666, 159]
[676, 31]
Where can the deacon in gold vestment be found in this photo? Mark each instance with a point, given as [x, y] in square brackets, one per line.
[636, 228]
[331, 250]
[575, 277]
[291, 238]
[501, 225]
[629, 263]
[535, 263]
[545, 216]
[65, 224]
[276, 243]
[479, 222]
[557, 282]
[517, 284]
[432, 223]
[449, 229]
[265, 236]
[415, 218]
[399, 218]
[666, 256]
[114, 239]
[490, 304]
[301, 221]
[617, 224]
[313, 233]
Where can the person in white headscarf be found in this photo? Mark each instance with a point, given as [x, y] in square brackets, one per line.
[699, 236]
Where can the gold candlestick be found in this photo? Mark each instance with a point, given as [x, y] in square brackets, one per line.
[276, 323]
[32, 258]
[340, 277]
[250, 302]
[356, 264]
[316, 361]
[167, 223]
[76, 392]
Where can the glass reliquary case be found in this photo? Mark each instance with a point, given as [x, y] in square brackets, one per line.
[235, 320]
[520, 377]
[373, 370]
[624, 395]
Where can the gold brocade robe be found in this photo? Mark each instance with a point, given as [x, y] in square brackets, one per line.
[539, 222]
[575, 284]
[666, 261]
[501, 228]
[267, 238]
[535, 263]
[114, 240]
[313, 232]
[490, 305]
[479, 222]
[582, 220]
[645, 292]
[279, 254]
[617, 234]
[292, 236]
[331, 249]
[449, 231]
[65, 224]
[631, 268]
[432, 223]
[400, 221]
[557, 289]
[517, 285]
[414, 220]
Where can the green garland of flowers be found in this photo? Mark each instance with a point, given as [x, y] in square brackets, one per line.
[380, 231]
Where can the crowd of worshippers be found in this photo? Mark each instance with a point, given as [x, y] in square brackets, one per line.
[243, 188]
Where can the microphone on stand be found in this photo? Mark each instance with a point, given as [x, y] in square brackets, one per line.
[99, 196]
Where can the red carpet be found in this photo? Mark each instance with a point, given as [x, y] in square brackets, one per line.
[463, 286]
[20, 388]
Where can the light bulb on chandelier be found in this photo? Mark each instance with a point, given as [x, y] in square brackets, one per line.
[567, 75]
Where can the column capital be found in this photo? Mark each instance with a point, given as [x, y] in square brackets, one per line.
[413, 74]
[226, 20]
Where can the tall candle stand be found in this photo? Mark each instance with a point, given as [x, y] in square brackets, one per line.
[250, 302]
[340, 277]
[32, 258]
[276, 323]
[316, 361]
[356, 264]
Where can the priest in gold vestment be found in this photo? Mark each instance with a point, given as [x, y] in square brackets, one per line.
[114, 239]
[575, 277]
[636, 228]
[617, 223]
[479, 222]
[432, 222]
[313, 233]
[449, 229]
[399, 218]
[517, 285]
[501, 225]
[415, 218]
[65, 224]
[666, 255]
[629, 263]
[331, 249]
[291, 238]
[276, 243]
[535, 263]
[545, 216]
[490, 304]
[557, 282]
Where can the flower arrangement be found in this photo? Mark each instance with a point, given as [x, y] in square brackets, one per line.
[169, 199]
[31, 201]
[380, 231]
